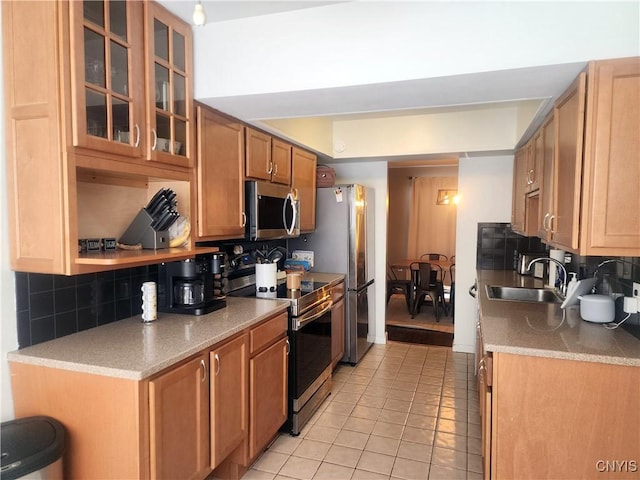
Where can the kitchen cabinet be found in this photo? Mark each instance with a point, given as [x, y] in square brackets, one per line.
[179, 421]
[610, 222]
[590, 165]
[569, 123]
[95, 179]
[519, 189]
[267, 158]
[258, 155]
[566, 415]
[338, 325]
[169, 52]
[484, 369]
[220, 172]
[229, 383]
[107, 46]
[535, 155]
[304, 181]
[547, 184]
[268, 382]
[281, 157]
[206, 411]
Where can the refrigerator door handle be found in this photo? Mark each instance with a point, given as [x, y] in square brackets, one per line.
[359, 289]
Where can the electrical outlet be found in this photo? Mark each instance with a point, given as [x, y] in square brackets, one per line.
[636, 290]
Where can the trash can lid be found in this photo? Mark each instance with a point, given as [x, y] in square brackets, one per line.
[29, 444]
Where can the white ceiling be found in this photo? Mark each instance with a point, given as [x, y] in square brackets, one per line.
[454, 93]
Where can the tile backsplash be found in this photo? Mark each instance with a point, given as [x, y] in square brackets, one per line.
[497, 246]
[52, 306]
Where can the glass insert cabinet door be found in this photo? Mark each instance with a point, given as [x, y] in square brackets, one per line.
[169, 67]
[107, 52]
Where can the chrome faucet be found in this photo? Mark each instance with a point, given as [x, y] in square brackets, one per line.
[563, 285]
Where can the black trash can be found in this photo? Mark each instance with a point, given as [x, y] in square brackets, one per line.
[32, 448]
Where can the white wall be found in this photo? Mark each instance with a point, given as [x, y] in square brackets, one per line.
[359, 43]
[485, 189]
[374, 175]
[8, 321]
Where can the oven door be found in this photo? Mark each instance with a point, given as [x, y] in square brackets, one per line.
[273, 211]
[310, 349]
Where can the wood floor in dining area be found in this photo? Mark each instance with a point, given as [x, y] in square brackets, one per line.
[398, 315]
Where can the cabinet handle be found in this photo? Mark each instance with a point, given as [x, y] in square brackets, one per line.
[217, 359]
[244, 219]
[270, 168]
[544, 222]
[275, 170]
[531, 177]
[204, 370]
[288, 347]
[137, 135]
[551, 223]
[155, 139]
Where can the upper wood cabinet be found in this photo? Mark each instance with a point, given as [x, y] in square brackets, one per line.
[535, 162]
[590, 163]
[281, 158]
[267, 158]
[72, 170]
[220, 176]
[519, 189]
[569, 124]
[107, 76]
[546, 185]
[611, 194]
[304, 181]
[179, 422]
[169, 51]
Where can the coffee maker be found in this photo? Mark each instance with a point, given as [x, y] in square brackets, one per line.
[193, 286]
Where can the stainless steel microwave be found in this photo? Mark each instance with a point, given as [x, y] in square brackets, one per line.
[273, 211]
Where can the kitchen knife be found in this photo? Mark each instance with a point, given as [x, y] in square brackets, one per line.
[154, 201]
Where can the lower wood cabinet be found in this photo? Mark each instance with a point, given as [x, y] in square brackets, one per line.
[268, 395]
[557, 418]
[215, 410]
[268, 369]
[179, 421]
[228, 388]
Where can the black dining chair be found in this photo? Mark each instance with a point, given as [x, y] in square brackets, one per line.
[398, 283]
[427, 281]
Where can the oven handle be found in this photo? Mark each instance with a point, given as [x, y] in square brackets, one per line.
[313, 314]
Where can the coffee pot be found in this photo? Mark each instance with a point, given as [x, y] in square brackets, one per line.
[193, 286]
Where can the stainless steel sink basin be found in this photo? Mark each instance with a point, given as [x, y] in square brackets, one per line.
[521, 294]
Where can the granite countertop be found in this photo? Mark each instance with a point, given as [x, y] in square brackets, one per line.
[134, 350]
[541, 330]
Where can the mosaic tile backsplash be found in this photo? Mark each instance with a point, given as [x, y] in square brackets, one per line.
[52, 306]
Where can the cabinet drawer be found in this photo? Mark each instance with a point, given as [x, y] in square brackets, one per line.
[337, 292]
[267, 332]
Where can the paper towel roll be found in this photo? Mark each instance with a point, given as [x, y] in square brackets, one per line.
[553, 268]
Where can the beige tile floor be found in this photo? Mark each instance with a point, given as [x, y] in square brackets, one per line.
[404, 412]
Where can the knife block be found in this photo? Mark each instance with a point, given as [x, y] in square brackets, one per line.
[141, 231]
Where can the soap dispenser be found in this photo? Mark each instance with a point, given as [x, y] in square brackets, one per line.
[573, 283]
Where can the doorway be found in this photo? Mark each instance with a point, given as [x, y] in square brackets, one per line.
[417, 225]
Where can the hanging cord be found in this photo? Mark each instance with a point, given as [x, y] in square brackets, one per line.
[614, 325]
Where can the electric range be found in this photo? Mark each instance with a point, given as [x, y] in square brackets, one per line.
[309, 334]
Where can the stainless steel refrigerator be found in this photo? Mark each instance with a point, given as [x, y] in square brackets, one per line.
[343, 242]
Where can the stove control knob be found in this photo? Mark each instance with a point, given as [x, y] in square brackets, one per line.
[262, 289]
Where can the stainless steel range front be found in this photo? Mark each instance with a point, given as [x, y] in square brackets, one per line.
[310, 339]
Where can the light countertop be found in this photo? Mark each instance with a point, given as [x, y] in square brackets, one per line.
[540, 329]
[134, 350]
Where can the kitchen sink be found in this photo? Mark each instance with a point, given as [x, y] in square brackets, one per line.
[521, 294]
